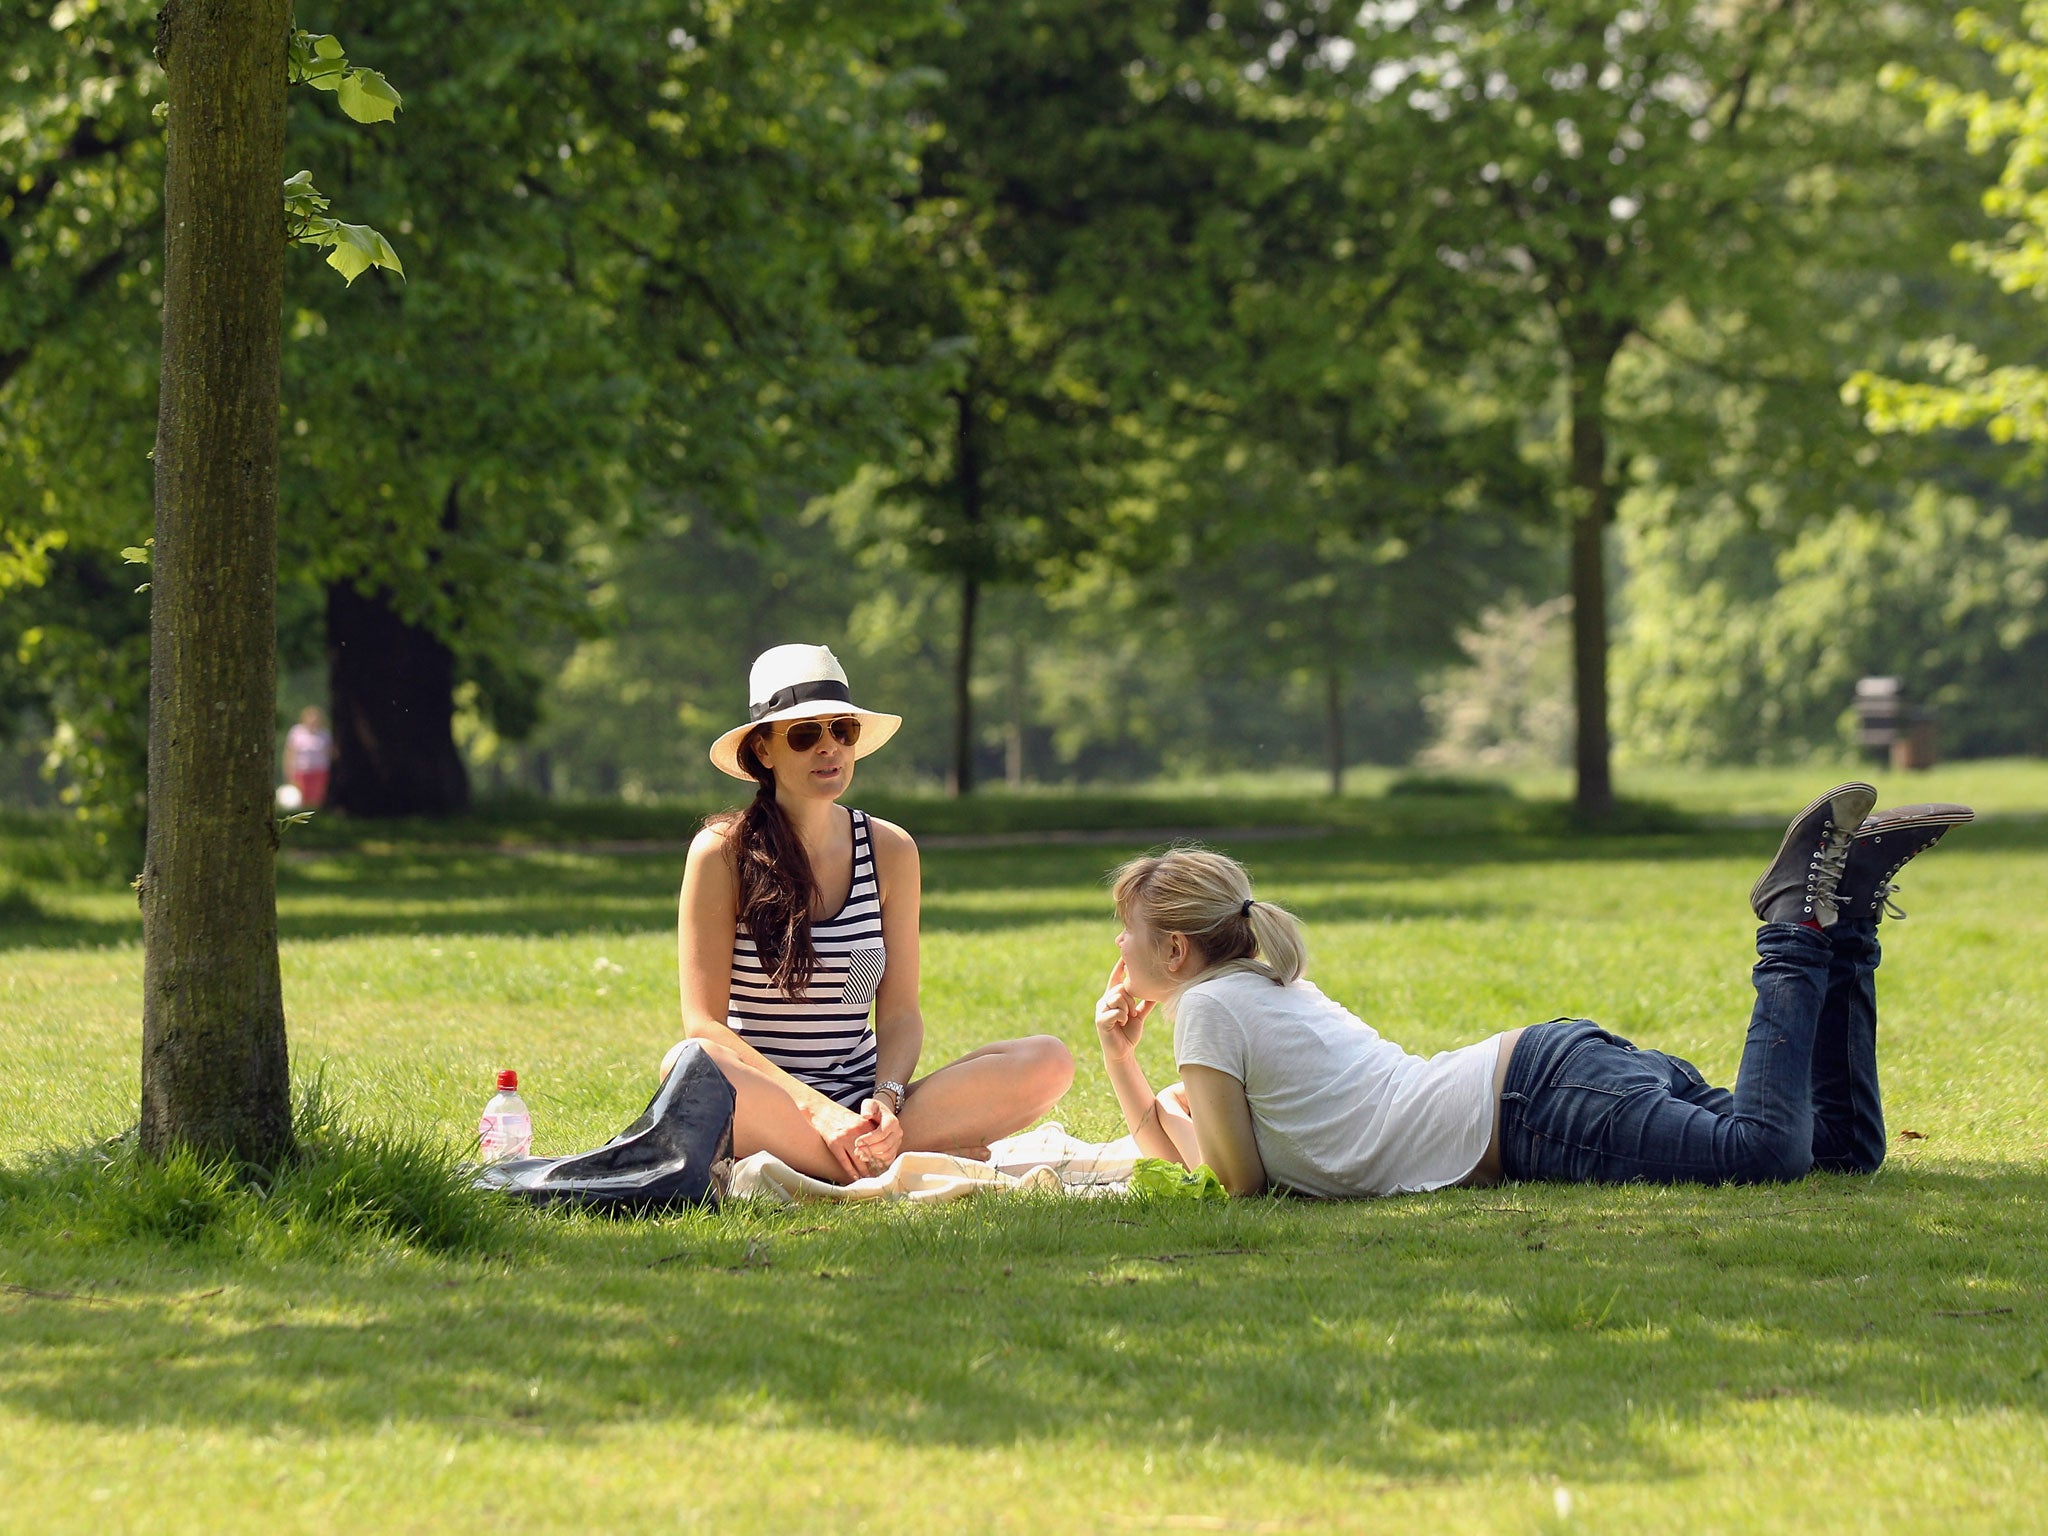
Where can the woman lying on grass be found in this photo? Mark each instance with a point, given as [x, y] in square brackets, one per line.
[798, 916]
[1283, 1088]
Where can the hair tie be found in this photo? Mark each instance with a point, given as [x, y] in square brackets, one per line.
[1246, 909]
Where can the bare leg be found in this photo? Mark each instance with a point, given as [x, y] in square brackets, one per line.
[766, 1119]
[989, 1093]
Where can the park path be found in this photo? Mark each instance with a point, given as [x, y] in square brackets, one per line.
[630, 847]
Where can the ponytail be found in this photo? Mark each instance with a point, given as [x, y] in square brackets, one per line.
[1279, 943]
[777, 889]
[1208, 896]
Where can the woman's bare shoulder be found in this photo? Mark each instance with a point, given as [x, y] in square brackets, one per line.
[711, 848]
[891, 841]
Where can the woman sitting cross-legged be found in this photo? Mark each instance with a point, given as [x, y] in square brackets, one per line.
[798, 917]
[1281, 1087]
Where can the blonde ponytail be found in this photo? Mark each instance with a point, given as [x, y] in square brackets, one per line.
[1281, 947]
[1208, 896]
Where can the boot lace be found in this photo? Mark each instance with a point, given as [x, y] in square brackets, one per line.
[1883, 897]
[1824, 871]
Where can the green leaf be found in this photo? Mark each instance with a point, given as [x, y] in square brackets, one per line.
[367, 96]
[357, 248]
[303, 201]
[135, 555]
[318, 61]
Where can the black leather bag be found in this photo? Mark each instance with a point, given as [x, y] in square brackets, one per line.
[679, 1152]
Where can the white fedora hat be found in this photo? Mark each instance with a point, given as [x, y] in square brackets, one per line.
[800, 682]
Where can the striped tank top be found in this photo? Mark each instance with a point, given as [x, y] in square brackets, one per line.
[821, 1037]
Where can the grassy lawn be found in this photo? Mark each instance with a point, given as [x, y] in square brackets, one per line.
[1840, 1354]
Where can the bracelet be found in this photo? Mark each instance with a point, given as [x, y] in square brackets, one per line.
[897, 1091]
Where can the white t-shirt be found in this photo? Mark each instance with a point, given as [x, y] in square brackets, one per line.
[1337, 1110]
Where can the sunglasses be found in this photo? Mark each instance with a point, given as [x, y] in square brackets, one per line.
[802, 735]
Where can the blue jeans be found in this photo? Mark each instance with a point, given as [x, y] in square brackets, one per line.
[1585, 1106]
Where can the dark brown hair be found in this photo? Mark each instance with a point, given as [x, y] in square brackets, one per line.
[777, 888]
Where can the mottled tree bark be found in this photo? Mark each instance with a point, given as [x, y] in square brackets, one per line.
[391, 686]
[960, 777]
[1013, 742]
[214, 1074]
[967, 485]
[1592, 344]
[1333, 726]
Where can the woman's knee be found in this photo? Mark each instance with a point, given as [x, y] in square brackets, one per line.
[724, 1057]
[1047, 1063]
[674, 1054]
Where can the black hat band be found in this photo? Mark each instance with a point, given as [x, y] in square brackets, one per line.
[800, 693]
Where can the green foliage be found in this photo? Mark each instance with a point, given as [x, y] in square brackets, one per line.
[1743, 648]
[18, 903]
[367, 97]
[1510, 704]
[1253, 324]
[1435, 784]
[623, 232]
[80, 179]
[2009, 402]
[322, 63]
[355, 247]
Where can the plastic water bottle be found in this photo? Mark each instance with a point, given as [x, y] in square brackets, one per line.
[506, 1129]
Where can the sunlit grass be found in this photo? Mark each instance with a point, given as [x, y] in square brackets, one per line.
[1840, 1354]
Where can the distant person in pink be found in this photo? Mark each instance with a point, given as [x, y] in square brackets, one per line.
[308, 757]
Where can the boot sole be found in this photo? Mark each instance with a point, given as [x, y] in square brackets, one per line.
[1877, 826]
[1819, 802]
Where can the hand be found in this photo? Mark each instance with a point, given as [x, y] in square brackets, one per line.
[841, 1130]
[1119, 1017]
[875, 1150]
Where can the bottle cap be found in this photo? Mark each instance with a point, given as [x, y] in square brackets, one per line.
[508, 1079]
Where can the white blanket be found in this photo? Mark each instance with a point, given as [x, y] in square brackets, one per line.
[1046, 1158]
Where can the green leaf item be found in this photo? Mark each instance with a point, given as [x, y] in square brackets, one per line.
[1154, 1178]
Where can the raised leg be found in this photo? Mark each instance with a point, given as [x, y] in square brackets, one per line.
[1582, 1105]
[1848, 1108]
[1585, 1105]
[1771, 1124]
[987, 1094]
[766, 1119]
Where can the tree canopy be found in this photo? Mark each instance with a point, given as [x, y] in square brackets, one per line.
[1241, 354]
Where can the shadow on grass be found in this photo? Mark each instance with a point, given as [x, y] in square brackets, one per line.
[65, 931]
[552, 894]
[1434, 1337]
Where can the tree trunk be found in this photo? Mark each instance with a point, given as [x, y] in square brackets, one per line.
[1592, 509]
[214, 1071]
[967, 487]
[1013, 746]
[960, 778]
[391, 686]
[1333, 718]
